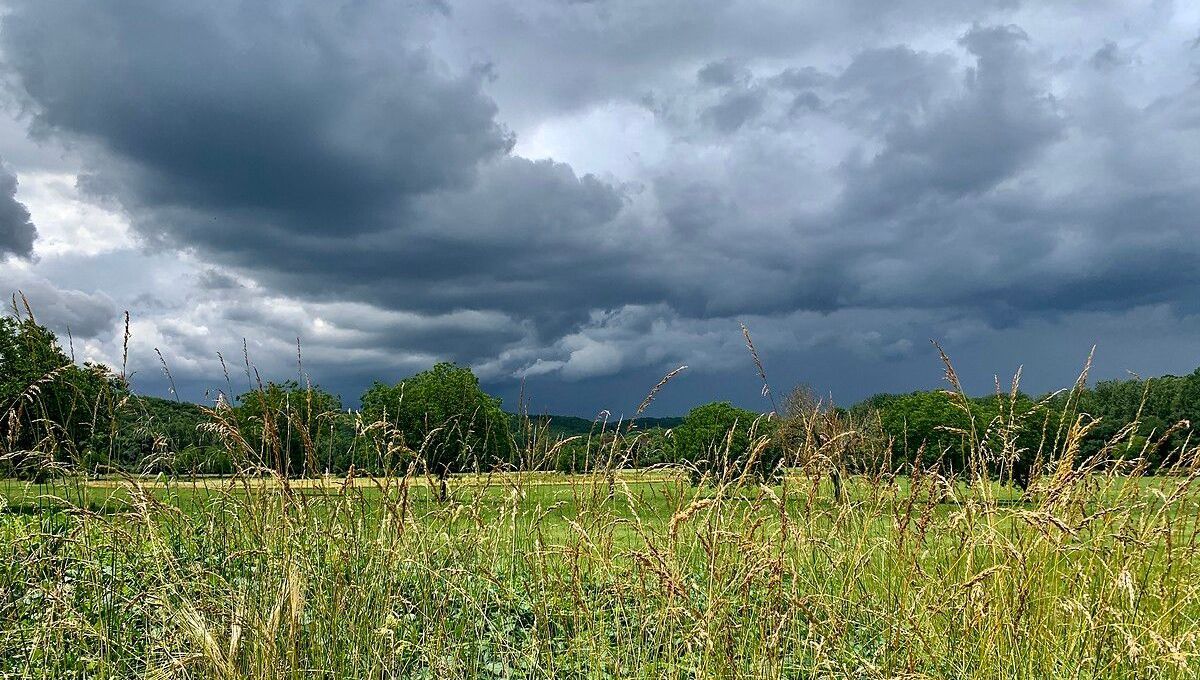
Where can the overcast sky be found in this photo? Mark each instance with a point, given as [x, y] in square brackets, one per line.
[586, 194]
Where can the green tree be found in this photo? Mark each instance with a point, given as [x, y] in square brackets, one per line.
[446, 418]
[290, 425]
[924, 423]
[718, 438]
[50, 406]
[821, 438]
[162, 435]
[1001, 434]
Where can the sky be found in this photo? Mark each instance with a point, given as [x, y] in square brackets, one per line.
[574, 197]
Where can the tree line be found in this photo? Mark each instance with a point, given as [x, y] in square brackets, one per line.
[57, 417]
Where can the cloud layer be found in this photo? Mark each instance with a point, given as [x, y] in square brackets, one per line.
[598, 191]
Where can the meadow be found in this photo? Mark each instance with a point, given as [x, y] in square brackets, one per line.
[629, 574]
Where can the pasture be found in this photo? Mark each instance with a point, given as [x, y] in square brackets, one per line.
[626, 574]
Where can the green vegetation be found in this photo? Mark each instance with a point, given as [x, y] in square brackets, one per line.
[85, 419]
[51, 410]
[719, 440]
[433, 535]
[443, 414]
[521, 575]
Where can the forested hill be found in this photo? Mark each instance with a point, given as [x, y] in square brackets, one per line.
[1157, 404]
[571, 426]
[186, 413]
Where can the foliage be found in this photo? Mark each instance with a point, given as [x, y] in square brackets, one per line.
[721, 440]
[155, 435]
[444, 416]
[820, 438]
[1168, 404]
[289, 426]
[58, 415]
[1001, 434]
[52, 411]
[572, 426]
[546, 576]
[924, 426]
[1086, 570]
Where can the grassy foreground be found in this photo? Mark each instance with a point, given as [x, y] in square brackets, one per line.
[632, 575]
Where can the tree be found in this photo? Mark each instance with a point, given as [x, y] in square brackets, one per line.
[1000, 435]
[719, 438]
[1157, 405]
[818, 436]
[48, 404]
[922, 422]
[163, 435]
[289, 424]
[445, 418]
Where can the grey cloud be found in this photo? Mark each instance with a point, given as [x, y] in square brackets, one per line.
[606, 50]
[800, 78]
[735, 109]
[85, 315]
[529, 237]
[1109, 56]
[807, 101]
[17, 232]
[897, 79]
[723, 73]
[213, 279]
[301, 145]
[999, 125]
[314, 114]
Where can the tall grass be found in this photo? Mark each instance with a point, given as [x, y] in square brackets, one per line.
[1092, 573]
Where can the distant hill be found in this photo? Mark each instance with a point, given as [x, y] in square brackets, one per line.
[186, 416]
[570, 426]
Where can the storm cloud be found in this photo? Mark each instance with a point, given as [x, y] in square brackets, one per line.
[579, 191]
[16, 230]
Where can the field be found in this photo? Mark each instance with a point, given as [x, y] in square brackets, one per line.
[628, 574]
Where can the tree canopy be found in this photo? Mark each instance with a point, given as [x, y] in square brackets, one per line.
[48, 403]
[718, 439]
[54, 412]
[445, 417]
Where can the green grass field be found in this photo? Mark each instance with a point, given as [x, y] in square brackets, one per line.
[545, 575]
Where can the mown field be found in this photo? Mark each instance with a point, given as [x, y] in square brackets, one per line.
[630, 574]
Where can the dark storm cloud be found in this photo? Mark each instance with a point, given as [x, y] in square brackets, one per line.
[317, 115]
[1109, 56]
[300, 143]
[952, 207]
[995, 128]
[16, 230]
[529, 237]
[723, 73]
[896, 79]
[605, 50]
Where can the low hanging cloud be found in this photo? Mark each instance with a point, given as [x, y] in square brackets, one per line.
[17, 232]
[352, 163]
[79, 313]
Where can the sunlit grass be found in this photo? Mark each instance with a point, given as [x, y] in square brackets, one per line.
[528, 576]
